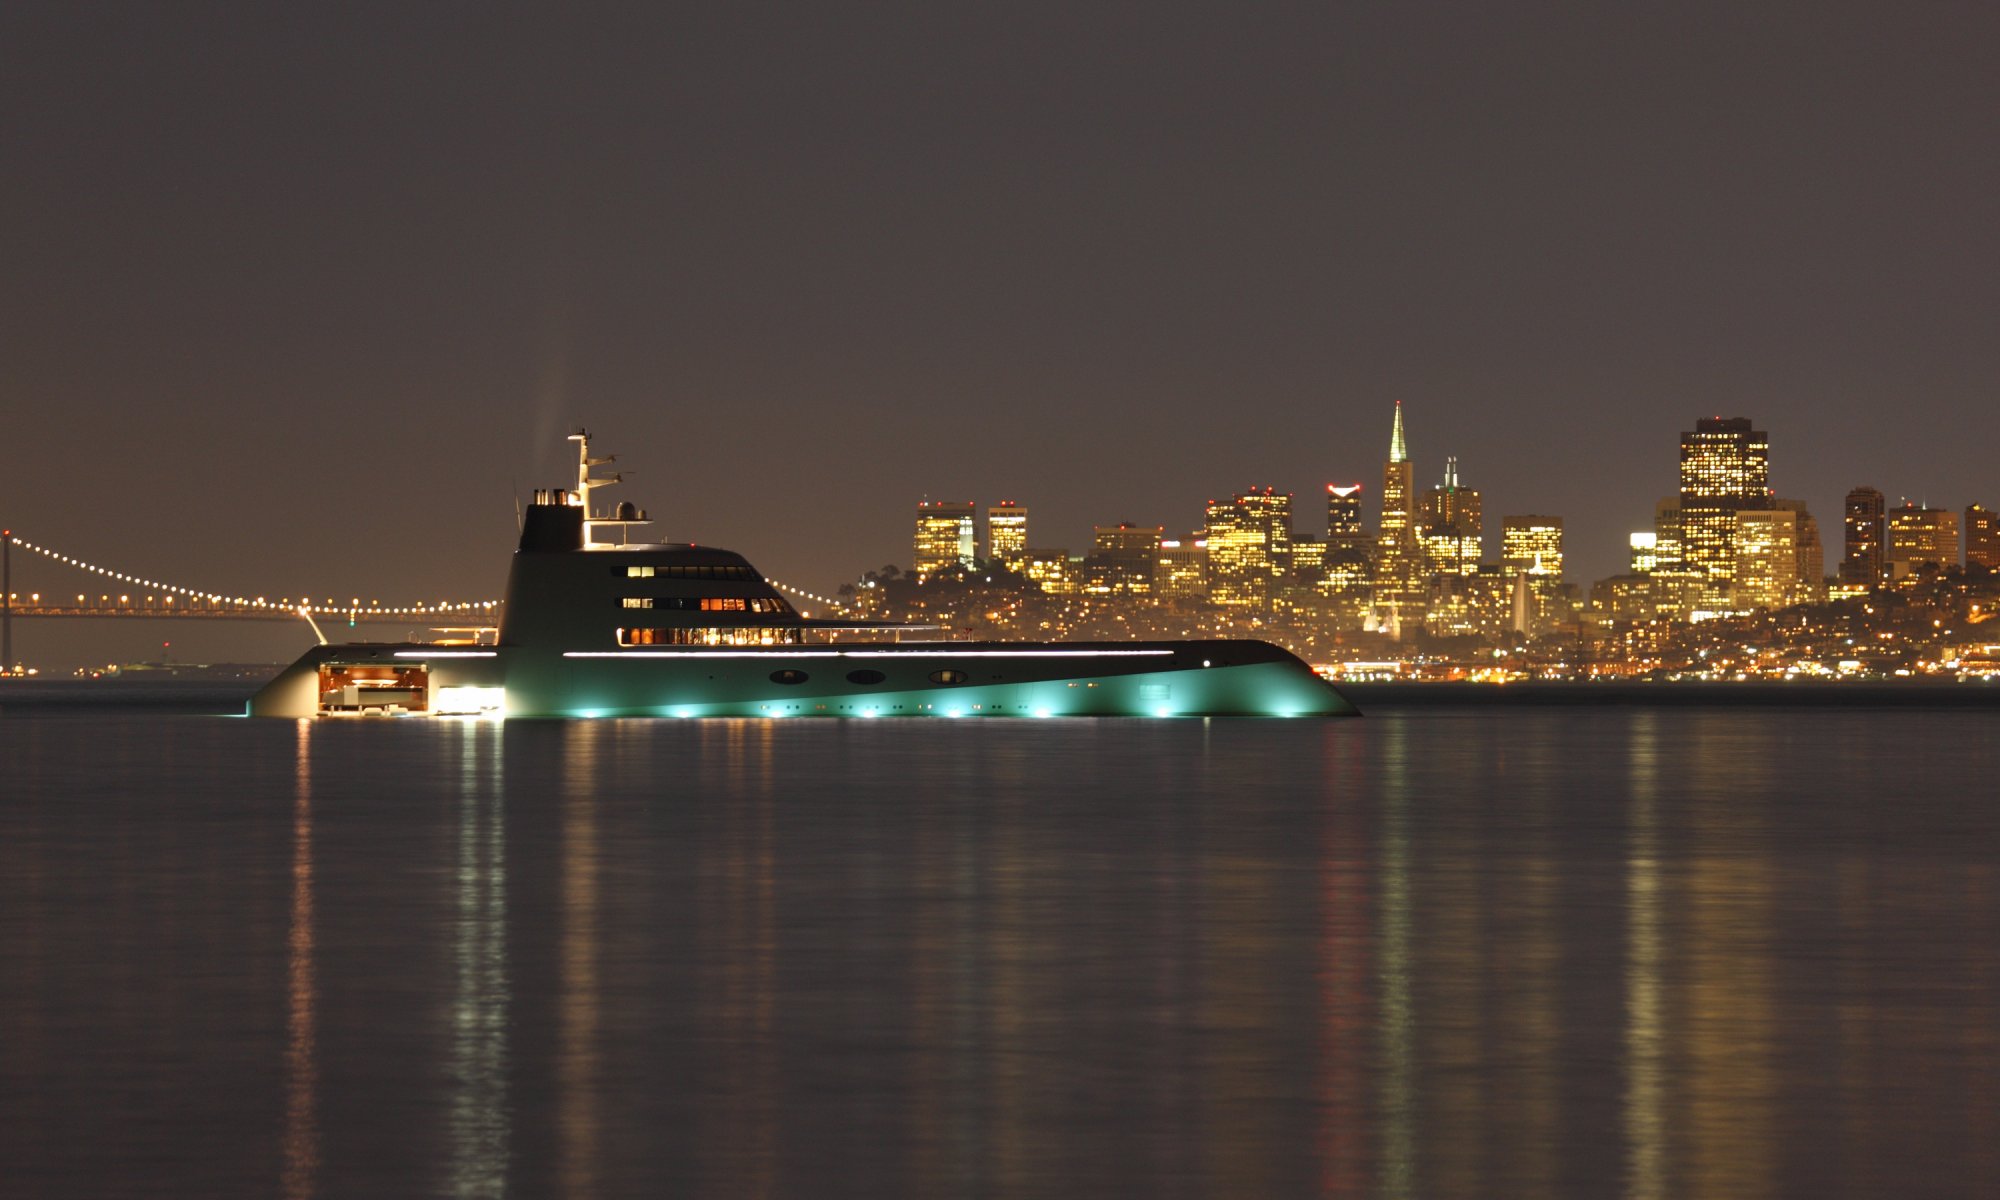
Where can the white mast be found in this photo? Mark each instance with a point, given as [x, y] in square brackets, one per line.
[587, 483]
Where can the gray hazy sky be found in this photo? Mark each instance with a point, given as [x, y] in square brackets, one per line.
[296, 296]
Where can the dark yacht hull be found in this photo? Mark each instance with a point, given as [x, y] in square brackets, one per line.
[956, 679]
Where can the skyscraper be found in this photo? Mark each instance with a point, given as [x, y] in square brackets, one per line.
[1779, 561]
[1667, 533]
[1183, 569]
[1450, 528]
[1725, 468]
[1866, 534]
[1643, 549]
[1123, 558]
[1345, 529]
[1007, 533]
[1532, 544]
[1397, 560]
[946, 535]
[1249, 547]
[1812, 555]
[1348, 549]
[1921, 537]
[1982, 537]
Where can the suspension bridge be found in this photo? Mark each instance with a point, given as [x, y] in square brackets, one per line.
[138, 596]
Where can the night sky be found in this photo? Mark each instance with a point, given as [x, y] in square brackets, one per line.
[299, 296]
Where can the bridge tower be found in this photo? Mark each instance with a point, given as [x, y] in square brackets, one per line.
[6, 600]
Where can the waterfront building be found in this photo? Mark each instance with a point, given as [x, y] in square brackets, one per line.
[1725, 469]
[1398, 561]
[1249, 547]
[1007, 533]
[1982, 537]
[1123, 558]
[1183, 569]
[1532, 545]
[1450, 529]
[1921, 537]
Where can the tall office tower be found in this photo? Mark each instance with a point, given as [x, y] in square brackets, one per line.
[1123, 558]
[1982, 537]
[1450, 529]
[1397, 559]
[1778, 561]
[1725, 468]
[1249, 547]
[1007, 533]
[1644, 549]
[1866, 536]
[1348, 546]
[946, 532]
[1667, 533]
[1345, 529]
[1183, 569]
[1532, 545]
[1812, 555]
[1921, 537]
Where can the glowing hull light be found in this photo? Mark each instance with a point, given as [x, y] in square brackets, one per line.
[470, 702]
[1043, 712]
[793, 652]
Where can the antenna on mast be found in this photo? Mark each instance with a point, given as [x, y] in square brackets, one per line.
[627, 514]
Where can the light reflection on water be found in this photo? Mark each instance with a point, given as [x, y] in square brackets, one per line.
[480, 994]
[301, 1054]
[1639, 952]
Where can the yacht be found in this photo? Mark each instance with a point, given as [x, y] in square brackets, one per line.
[611, 627]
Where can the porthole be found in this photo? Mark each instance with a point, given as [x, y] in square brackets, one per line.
[865, 676]
[788, 676]
[949, 676]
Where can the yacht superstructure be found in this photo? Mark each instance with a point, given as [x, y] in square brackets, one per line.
[595, 628]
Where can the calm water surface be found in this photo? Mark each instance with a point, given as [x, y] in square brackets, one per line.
[1646, 952]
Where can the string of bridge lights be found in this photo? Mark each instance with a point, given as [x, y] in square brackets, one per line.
[328, 609]
[815, 597]
[171, 590]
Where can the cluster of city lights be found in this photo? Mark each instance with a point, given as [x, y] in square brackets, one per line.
[330, 608]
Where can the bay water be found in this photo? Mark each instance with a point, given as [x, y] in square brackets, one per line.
[1634, 950]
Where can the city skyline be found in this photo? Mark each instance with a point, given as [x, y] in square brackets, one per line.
[1725, 478]
[283, 265]
[961, 528]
